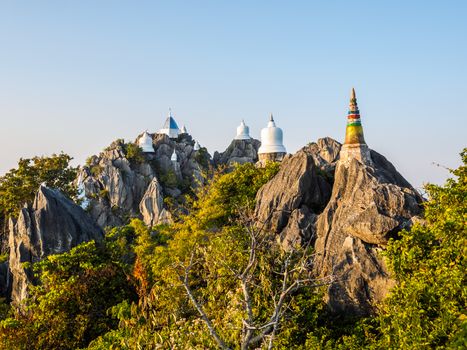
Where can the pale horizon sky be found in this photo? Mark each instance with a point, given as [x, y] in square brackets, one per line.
[74, 76]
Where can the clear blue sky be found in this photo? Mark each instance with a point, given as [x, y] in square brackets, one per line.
[75, 75]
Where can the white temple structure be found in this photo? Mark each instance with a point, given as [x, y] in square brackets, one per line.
[183, 130]
[174, 157]
[145, 142]
[271, 148]
[170, 127]
[243, 132]
[81, 193]
[197, 146]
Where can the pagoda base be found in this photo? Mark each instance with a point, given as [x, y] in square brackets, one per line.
[270, 157]
[358, 151]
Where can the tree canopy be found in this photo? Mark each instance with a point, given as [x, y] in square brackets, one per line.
[215, 279]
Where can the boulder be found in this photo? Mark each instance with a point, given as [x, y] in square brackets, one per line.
[53, 224]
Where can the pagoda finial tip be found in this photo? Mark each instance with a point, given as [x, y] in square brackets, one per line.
[271, 118]
[352, 94]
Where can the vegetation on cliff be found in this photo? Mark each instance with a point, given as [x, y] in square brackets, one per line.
[215, 279]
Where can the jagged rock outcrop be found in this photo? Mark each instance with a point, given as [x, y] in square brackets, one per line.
[152, 205]
[120, 184]
[349, 225]
[301, 184]
[114, 186]
[239, 151]
[368, 205]
[53, 224]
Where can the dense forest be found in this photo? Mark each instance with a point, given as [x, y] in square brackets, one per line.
[216, 278]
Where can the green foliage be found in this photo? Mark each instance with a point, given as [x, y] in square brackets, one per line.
[4, 257]
[96, 170]
[20, 185]
[169, 179]
[130, 292]
[133, 153]
[164, 316]
[68, 308]
[202, 157]
[428, 306]
[104, 194]
[218, 203]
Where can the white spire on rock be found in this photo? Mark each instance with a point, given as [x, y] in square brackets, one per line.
[183, 130]
[174, 157]
[82, 193]
[243, 132]
[197, 146]
[170, 127]
[271, 139]
[145, 142]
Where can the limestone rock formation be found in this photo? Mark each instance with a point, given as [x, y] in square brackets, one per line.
[120, 185]
[348, 210]
[152, 205]
[239, 151]
[53, 224]
[368, 205]
[301, 183]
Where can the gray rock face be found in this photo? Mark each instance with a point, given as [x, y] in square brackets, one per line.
[348, 210]
[299, 184]
[152, 205]
[52, 225]
[367, 206]
[119, 187]
[300, 229]
[239, 151]
[114, 186]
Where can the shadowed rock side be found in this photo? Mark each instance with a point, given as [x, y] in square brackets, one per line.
[52, 225]
[289, 202]
[239, 151]
[368, 205]
[119, 187]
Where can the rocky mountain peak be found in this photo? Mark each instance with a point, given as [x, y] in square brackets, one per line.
[53, 224]
[348, 209]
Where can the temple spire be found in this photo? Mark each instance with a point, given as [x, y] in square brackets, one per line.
[354, 130]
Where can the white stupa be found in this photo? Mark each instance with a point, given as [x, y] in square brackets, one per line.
[145, 142]
[271, 143]
[170, 127]
[197, 146]
[243, 132]
[82, 193]
[183, 130]
[174, 157]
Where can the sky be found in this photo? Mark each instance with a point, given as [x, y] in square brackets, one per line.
[75, 75]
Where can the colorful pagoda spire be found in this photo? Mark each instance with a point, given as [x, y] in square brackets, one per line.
[354, 130]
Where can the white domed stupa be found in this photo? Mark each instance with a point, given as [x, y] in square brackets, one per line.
[145, 142]
[243, 132]
[271, 148]
[170, 127]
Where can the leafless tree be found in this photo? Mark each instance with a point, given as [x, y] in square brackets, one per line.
[294, 272]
